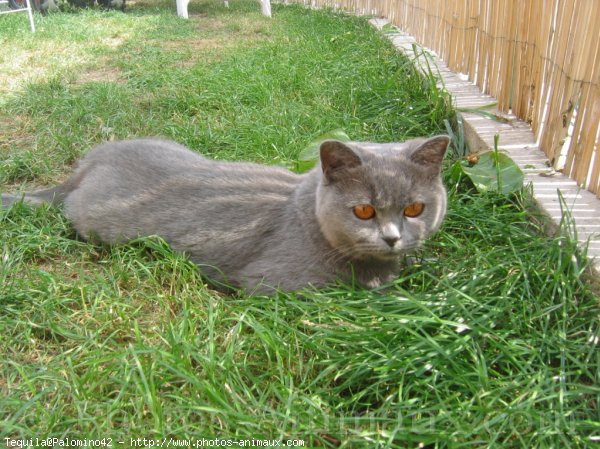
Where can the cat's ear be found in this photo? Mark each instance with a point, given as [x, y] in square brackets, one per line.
[337, 157]
[431, 152]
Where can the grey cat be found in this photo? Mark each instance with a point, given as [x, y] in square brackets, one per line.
[262, 228]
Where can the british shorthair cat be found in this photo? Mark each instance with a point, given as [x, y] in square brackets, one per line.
[262, 228]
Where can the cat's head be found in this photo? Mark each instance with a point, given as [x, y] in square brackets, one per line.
[380, 200]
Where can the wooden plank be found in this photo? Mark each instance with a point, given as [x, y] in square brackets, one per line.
[553, 79]
[495, 48]
[525, 85]
[482, 63]
[546, 39]
[584, 139]
[569, 86]
[472, 39]
[507, 56]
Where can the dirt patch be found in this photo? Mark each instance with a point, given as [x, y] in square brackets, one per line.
[210, 48]
[14, 132]
[100, 74]
[113, 42]
[17, 68]
[195, 44]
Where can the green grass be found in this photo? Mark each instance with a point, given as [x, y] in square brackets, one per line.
[489, 340]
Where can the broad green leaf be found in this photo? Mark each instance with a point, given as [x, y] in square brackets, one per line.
[494, 171]
[310, 155]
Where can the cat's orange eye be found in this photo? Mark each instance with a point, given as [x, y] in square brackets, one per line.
[364, 211]
[414, 210]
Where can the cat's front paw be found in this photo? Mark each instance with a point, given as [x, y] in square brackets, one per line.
[378, 281]
[373, 283]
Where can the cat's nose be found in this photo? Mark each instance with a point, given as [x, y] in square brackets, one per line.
[391, 241]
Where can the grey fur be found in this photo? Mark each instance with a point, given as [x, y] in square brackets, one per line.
[261, 227]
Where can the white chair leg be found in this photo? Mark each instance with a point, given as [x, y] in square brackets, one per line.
[182, 8]
[265, 6]
[30, 14]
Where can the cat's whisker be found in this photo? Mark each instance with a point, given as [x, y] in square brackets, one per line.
[336, 255]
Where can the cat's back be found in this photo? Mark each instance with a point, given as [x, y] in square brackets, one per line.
[159, 154]
[157, 159]
[150, 186]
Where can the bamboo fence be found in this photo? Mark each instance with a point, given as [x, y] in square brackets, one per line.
[539, 58]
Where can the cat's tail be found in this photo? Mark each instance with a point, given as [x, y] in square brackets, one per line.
[54, 196]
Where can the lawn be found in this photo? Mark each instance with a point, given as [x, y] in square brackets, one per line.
[489, 340]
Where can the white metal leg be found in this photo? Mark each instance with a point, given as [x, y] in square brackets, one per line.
[265, 7]
[182, 8]
[28, 9]
[30, 14]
